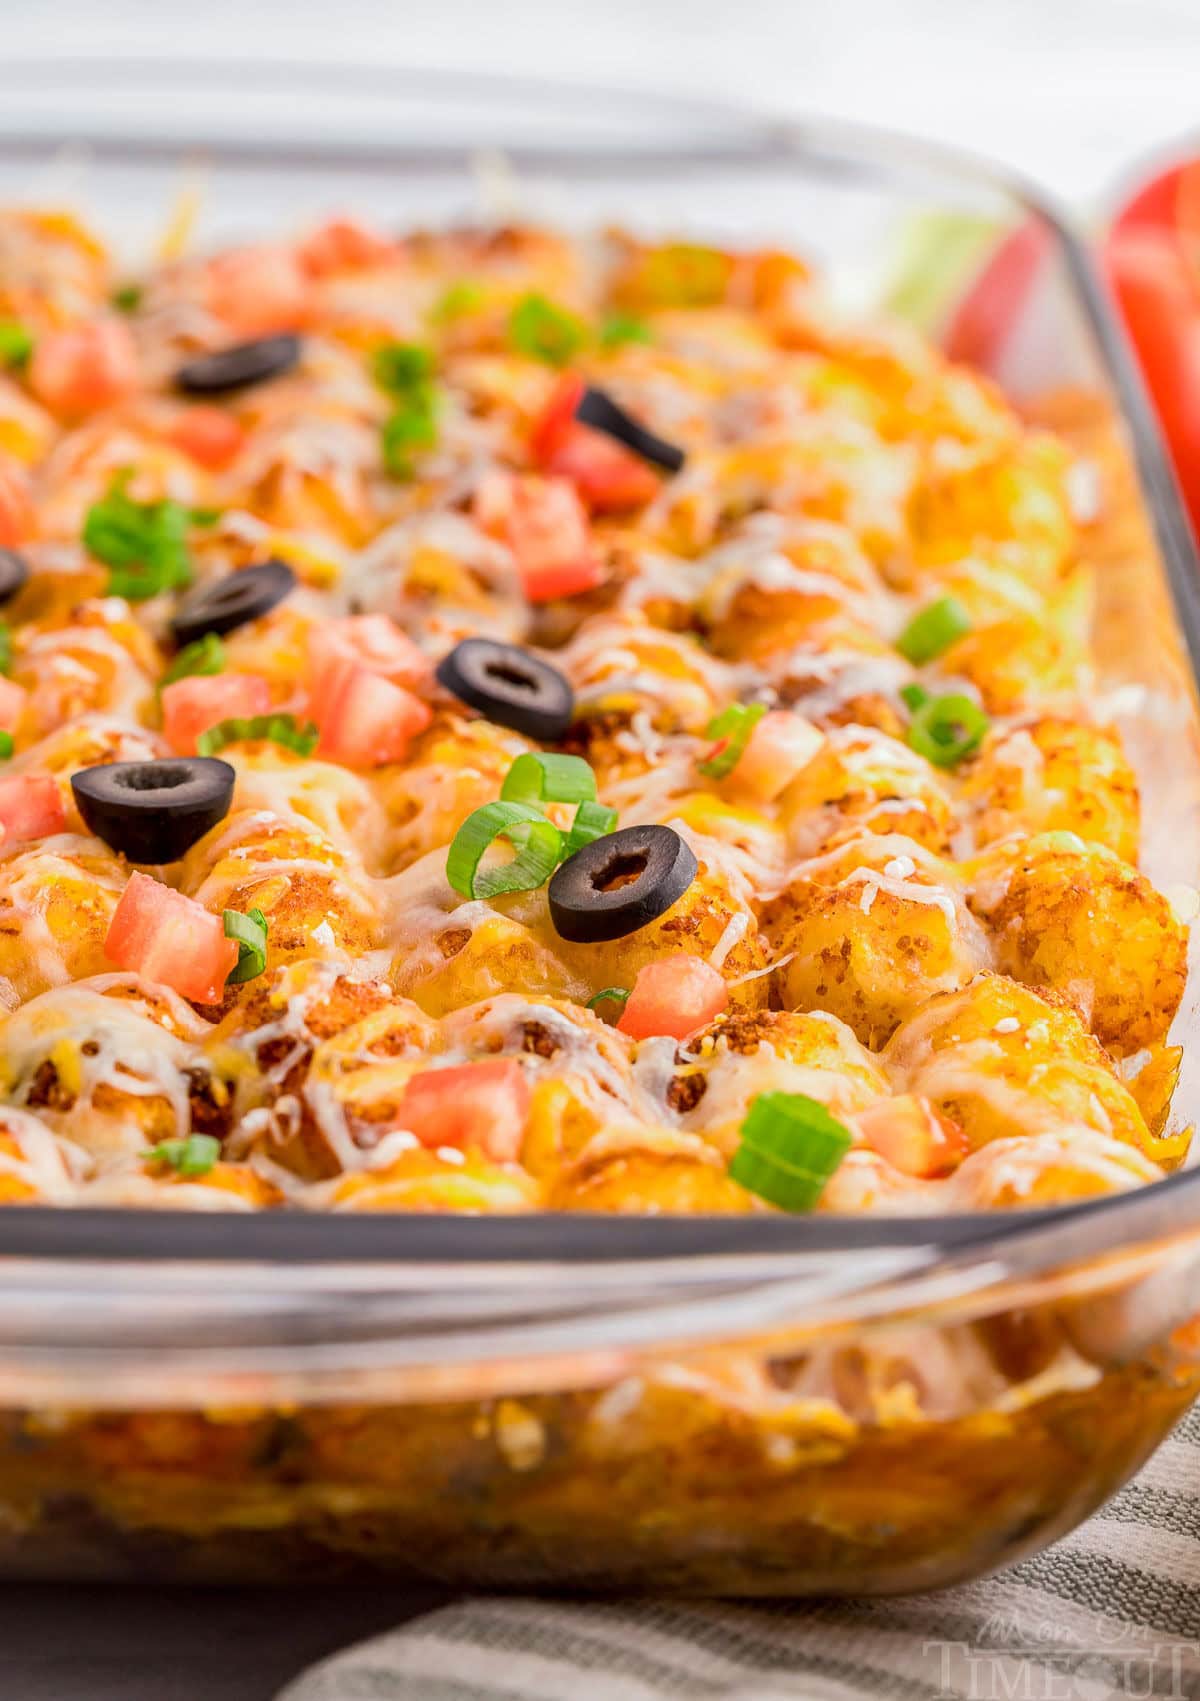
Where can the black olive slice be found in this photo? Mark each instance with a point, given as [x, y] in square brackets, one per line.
[509, 686]
[597, 409]
[236, 368]
[232, 601]
[154, 811]
[14, 572]
[619, 883]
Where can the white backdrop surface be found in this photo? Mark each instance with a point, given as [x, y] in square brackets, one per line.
[1069, 90]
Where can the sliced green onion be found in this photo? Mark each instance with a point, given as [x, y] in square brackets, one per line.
[205, 656]
[945, 729]
[144, 544]
[274, 729]
[913, 696]
[791, 1145]
[592, 821]
[250, 932]
[16, 343]
[457, 300]
[548, 777]
[400, 367]
[539, 850]
[539, 329]
[6, 649]
[410, 428]
[621, 328]
[194, 1155]
[610, 995]
[733, 727]
[128, 297]
[933, 630]
[6, 745]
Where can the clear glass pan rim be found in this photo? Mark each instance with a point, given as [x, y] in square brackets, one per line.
[709, 134]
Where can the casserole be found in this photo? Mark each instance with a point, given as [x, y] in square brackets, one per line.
[746, 1418]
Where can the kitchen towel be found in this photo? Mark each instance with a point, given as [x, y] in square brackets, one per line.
[1112, 1610]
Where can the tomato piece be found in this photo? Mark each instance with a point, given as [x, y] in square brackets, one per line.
[365, 720]
[190, 706]
[18, 517]
[983, 318]
[13, 698]
[474, 1104]
[544, 524]
[1150, 277]
[84, 368]
[556, 421]
[911, 1135]
[208, 435]
[259, 290]
[779, 747]
[343, 245]
[370, 640]
[673, 996]
[608, 477]
[31, 807]
[158, 932]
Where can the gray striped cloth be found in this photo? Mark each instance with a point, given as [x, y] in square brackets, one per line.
[1112, 1610]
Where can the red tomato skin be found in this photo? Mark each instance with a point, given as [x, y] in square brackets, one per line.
[84, 368]
[608, 477]
[913, 1136]
[190, 706]
[158, 932]
[260, 290]
[673, 996]
[365, 720]
[13, 698]
[207, 435]
[18, 517]
[982, 320]
[343, 245]
[31, 807]
[556, 421]
[371, 641]
[1160, 304]
[475, 1104]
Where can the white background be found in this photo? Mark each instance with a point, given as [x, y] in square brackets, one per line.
[1072, 91]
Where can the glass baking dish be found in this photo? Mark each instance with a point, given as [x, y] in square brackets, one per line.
[753, 1405]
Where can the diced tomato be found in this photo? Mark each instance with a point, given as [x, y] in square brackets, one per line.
[259, 290]
[366, 720]
[673, 996]
[780, 745]
[13, 698]
[556, 421]
[913, 1136]
[545, 526]
[31, 807]
[372, 641]
[169, 938]
[209, 435]
[475, 1104]
[343, 245]
[18, 517]
[84, 368]
[608, 477]
[190, 706]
